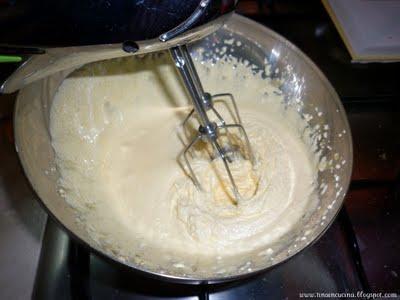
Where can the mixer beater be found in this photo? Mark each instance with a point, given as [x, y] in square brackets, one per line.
[210, 131]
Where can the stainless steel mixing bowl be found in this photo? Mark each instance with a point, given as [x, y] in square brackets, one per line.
[305, 88]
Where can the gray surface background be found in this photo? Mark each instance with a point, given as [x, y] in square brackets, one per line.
[22, 220]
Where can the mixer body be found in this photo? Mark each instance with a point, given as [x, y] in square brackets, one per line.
[66, 34]
[63, 23]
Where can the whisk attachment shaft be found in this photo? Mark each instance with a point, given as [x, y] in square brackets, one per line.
[208, 130]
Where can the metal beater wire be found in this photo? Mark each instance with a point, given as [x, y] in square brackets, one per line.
[208, 130]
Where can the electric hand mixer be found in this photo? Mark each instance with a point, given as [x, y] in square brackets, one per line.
[142, 27]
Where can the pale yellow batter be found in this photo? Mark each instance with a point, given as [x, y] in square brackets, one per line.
[115, 127]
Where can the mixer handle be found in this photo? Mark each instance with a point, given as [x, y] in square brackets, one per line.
[187, 24]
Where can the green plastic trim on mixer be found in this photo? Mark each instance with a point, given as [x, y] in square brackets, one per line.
[10, 58]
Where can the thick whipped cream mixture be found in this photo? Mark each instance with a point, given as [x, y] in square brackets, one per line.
[116, 130]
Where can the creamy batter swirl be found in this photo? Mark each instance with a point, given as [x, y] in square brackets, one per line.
[115, 128]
